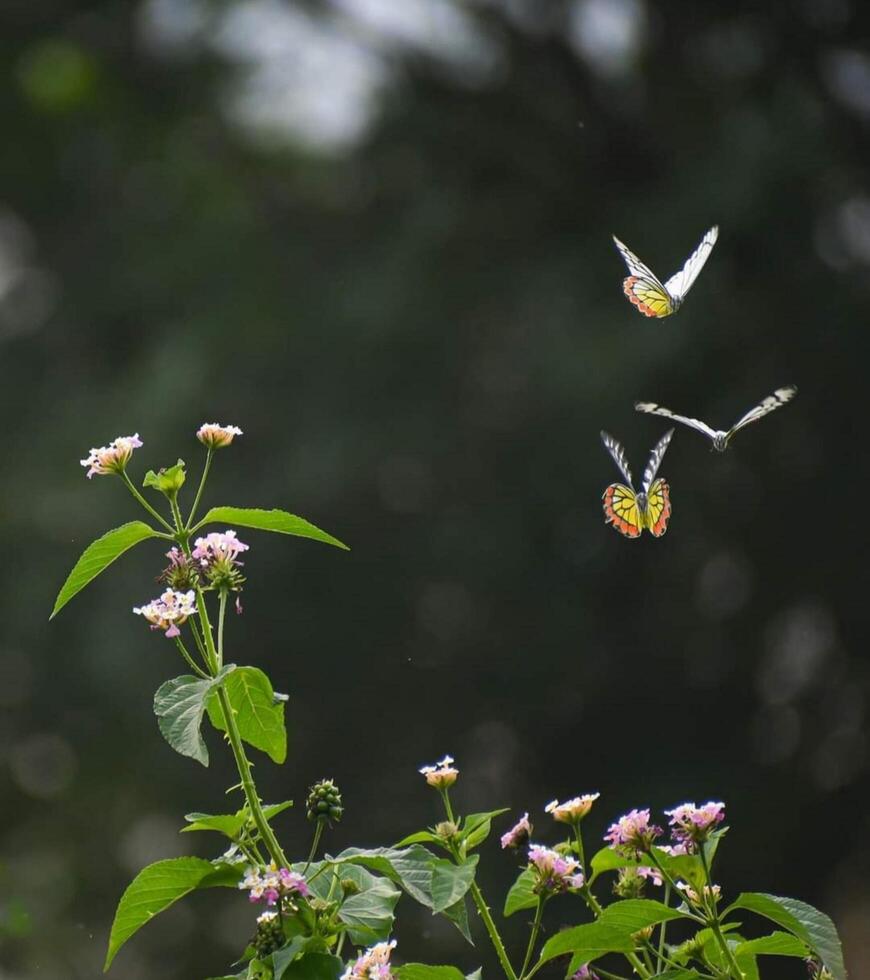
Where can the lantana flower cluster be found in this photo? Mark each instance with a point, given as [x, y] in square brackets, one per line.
[691, 825]
[273, 884]
[168, 611]
[571, 811]
[373, 964]
[112, 459]
[217, 556]
[213, 435]
[442, 775]
[555, 872]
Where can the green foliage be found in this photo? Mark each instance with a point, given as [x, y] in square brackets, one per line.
[476, 827]
[230, 824]
[312, 966]
[451, 881]
[420, 971]
[809, 925]
[521, 895]
[633, 914]
[777, 944]
[179, 705]
[98, 556]
[259, 716]
[587, 942]
[168, 481]
[269, 520]
[368, 914]
[157, 887]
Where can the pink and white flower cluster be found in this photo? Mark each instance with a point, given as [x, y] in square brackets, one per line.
[169, 611]
[113, 458]
[373, 964]
[692, 824]
[217, 547]
[272, 883]
[518, 835]
[571, 811]
[555, 872]
[217, 436]
[442, 775]
[633, 830]
[584, 973]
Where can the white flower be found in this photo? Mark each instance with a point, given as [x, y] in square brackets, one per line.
[571, 811]
[216, 436]
[112, 458]
[169, 611]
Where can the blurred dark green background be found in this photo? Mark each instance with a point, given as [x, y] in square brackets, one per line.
[376, 235]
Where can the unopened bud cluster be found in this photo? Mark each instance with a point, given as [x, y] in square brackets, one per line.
[324, 802]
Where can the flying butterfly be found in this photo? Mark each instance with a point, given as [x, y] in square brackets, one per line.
[628, 511]
[719, 438]
[654, 298]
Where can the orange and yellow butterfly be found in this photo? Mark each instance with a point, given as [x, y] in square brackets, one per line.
[628, 511]
[648, 294]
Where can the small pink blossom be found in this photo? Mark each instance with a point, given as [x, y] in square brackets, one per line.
[442, 775]
[272, 884]
[373, 964]
[555, 872]
[169, 611]
[571, 811]
[633, 830]
[584, 973]
[217, 436]
[216, 547]
[518, 835]
[112, 459]
[692, 824]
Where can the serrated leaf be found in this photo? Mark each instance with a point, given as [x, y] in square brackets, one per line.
[98, 556]
[476, 827]
[230, 824]
[409, 867]
[609, 860]
[458, 915]
[368, 914]
[776, 944]
[279, 521]
[633, 914]
[451, 881]
[588, 942]
[260, 719]
[157, 887]
[807, 923]
[521, 895]
[313, 966]
[420, 971]
[179, 705]
[421, 837]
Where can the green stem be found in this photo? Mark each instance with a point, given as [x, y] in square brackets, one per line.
[317, 833]
[495, 938]
[222, 609]
[585, 891]
[201, 487]
[157, 517]
[533, 938]
[713, 913]
[194, 666]
[448, 809]
[663, 929]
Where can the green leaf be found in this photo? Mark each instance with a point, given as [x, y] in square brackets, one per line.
[521, 894]
[802, 920]
[313, 966]
[633, 914]
[409, 867]
[98, 556]
[451, 881]
[475, 975]
[157, 887]
[168, 481]
[368, 914]
[609, 860]
[588, 942]
[283, 957]
[679, 975]
[179, 705]
[269, 520]
[458, 915]
[259, 718]
[476, 827]
[421, 837]
[420, 971]
[776, 944]
[230, 824]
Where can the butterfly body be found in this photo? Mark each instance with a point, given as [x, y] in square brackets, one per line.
[718, 438]
[630, 511]
[645, 290]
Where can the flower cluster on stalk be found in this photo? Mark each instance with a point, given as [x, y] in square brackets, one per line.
[273, 885]
[168, 611]
[519, 835]
[571, 811]
[442, 775]
[217, 556]
[372, 964]
[111, 459]
[216, 436]
[691, 825]
[633, 832]
[554, 872]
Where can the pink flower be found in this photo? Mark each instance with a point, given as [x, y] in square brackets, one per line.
[571, 811]
[692, 824]
[584, 973]
[633, 830]
[373, 964]
[555, 872]
[169, 611]
[216, 547]
[442, 775]
[518, 835]
[112, 458]
[272, 884]
[216, 436]
[292, 881]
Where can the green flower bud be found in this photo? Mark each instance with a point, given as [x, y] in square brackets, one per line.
[349, 887]
[167, 481]
[324, 802]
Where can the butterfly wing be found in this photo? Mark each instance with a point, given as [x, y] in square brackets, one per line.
[782, 396]
[622, 511]
[655, 461]
[680, 283]
[658, 508]
[652, 409]
[642, 286]
[618, 454]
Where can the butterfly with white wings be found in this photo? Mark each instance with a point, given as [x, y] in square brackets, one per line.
[721, 439]
[648, 293]
[626, 509]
